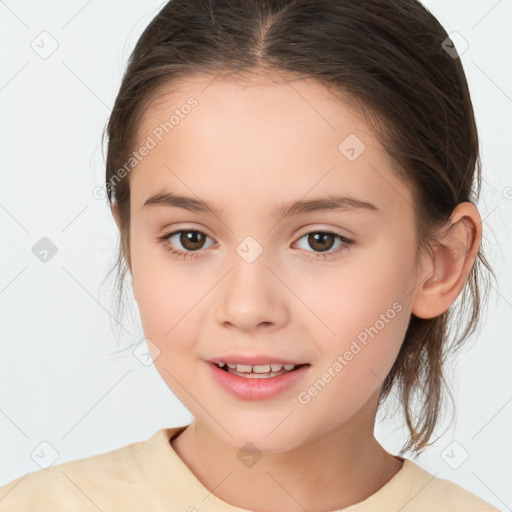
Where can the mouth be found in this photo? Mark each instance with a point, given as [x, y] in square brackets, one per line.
[260, 381]
[259, 371]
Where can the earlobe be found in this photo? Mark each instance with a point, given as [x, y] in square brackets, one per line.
[444, 275]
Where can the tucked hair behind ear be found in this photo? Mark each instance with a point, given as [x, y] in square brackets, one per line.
[387, 59]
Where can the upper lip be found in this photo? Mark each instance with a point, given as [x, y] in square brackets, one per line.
[256, 359]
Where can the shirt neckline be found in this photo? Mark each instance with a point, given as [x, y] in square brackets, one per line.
[171, 480]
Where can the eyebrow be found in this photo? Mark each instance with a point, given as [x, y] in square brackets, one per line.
[331, 202]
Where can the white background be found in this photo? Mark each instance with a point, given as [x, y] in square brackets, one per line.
[66, 376]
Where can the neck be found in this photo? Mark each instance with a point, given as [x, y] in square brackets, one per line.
[338, 469]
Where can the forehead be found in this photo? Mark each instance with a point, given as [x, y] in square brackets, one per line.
[255, 100]
[260, 133]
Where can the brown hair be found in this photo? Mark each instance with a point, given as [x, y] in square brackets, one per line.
[388, 59]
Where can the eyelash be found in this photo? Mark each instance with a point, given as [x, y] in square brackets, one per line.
[164, 240]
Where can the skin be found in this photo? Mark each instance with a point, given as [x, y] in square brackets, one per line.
[249, 145]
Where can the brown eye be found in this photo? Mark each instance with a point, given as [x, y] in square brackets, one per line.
[184, 243]
[187, 244]
[192, 240]
[321, 241]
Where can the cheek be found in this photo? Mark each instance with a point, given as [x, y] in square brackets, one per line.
[360, 293]
[365, 311]
[355, 364]
[168, 318]
[163, 294]
[166, 314]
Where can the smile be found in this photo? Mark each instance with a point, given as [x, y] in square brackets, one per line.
[260, 371]
[254, 384]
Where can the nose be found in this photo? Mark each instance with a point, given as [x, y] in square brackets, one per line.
[251, 297]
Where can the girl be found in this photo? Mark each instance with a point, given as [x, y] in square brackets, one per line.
[293, 184]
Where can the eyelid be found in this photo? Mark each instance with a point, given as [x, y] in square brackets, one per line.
[345, 240]
[305, 230]
[325, 229]
[346, 243]
[177, 228]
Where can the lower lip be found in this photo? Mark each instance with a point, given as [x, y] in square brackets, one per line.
[257, 388]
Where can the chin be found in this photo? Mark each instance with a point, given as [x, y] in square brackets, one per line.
[268, 435]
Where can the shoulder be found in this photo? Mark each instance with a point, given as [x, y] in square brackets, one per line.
[82, 484]
[429, 492]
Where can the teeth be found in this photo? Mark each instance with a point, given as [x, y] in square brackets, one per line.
[258, 368]
[261, 368]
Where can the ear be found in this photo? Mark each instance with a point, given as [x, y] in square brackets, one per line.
[443, 274]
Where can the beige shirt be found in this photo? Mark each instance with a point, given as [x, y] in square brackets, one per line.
[150, 476]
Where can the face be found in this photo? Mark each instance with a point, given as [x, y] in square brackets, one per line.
[327, 288]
